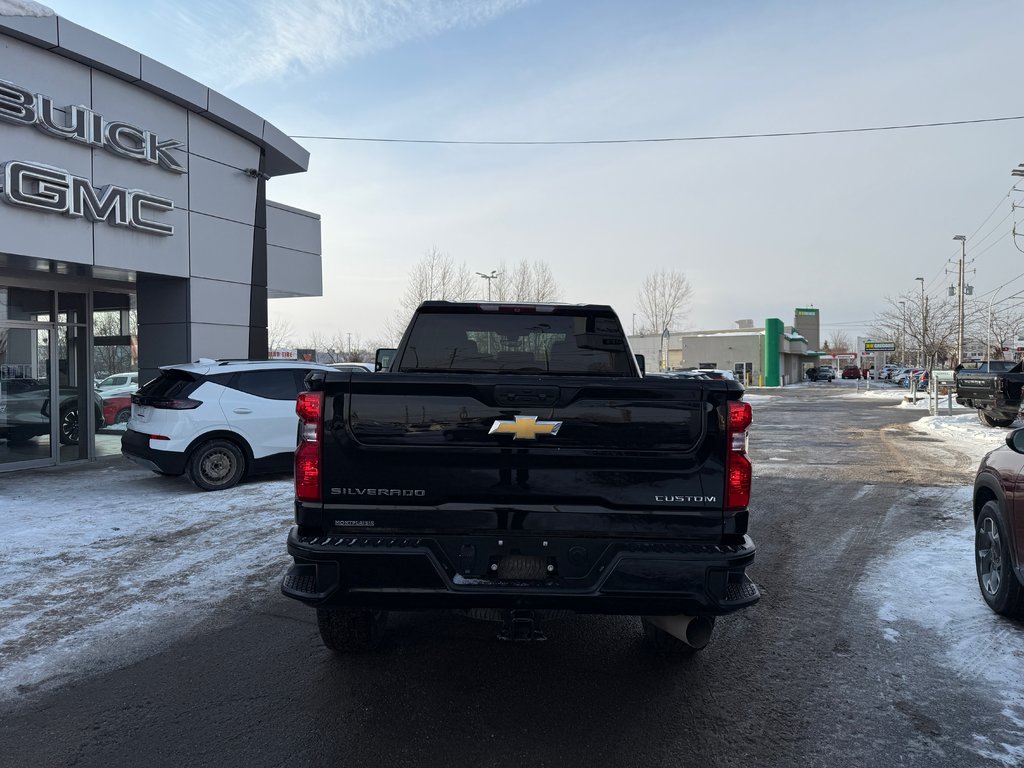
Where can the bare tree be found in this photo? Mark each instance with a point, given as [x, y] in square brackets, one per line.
[664, 299]
[526, 282]
[279, 333]
[995, 335]
[115, 333]
[838, 342]
[435, 277]
[923, 331]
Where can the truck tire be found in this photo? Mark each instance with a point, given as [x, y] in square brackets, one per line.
[216, 465]
[998, 583]
[990, 420]
[664, 643]
[351, 630]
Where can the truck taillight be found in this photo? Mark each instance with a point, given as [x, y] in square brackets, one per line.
[308, 454]
[738, 470]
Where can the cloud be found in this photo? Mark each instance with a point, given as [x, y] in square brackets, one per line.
[278, 38]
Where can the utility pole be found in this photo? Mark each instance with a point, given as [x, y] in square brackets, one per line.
[493, 276]
[960, 300]
[924, 323]
[902, 331]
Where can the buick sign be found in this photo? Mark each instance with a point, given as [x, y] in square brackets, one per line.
[83, 126]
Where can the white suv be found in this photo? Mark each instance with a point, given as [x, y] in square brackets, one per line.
[217, 421]
[119, 381]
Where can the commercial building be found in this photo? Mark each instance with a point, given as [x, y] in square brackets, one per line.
[772, 355]
[135, 229]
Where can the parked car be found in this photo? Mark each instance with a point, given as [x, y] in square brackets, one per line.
[25, 411]
[117, 408]
[999, 528]
[887, 371]
[851, 372]
[994, 388]
[692, 374]
[717, 373]
[904, 376]
[357, 367]
[119, 381]
[217, 421]
[824, 373]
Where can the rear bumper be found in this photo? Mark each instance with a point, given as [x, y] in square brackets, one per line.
[584, 575]
[135, 448]
[988, 402]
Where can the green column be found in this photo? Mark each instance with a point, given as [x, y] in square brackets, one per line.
[773, 330]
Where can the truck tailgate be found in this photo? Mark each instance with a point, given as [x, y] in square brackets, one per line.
[505, 453]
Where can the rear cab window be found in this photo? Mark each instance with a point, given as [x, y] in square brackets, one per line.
[519, 340]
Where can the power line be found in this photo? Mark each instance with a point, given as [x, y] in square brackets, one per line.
[665, 139]
[992, 213]
[993, 243]
[990, 233]
[956, 253]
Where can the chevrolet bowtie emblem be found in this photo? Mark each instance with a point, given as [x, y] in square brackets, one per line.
[525, 428]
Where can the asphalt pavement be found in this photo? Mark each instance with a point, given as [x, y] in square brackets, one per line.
[804, 678]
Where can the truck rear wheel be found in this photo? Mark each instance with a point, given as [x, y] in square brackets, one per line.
[350, 630]
[991, 420]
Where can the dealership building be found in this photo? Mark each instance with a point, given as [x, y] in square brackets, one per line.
[772, 355]
[135, 230]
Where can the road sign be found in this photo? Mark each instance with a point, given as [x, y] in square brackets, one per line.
[879, 346]
[943, 377]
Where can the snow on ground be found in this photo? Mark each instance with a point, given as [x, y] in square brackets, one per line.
[98, 562]
[108, 562]
[929, 580]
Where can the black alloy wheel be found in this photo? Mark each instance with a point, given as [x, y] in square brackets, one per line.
[68, 427]
[123, 416]
[998, 583]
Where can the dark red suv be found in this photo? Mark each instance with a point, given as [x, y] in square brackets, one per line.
[999, 527]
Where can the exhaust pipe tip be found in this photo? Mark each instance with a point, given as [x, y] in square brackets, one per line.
[694, 631]
[698, 631]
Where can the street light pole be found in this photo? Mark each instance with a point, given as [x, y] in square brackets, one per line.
[924, 324]
[494, 275]
[960, 299]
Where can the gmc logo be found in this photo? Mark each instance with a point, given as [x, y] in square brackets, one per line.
[54, 190]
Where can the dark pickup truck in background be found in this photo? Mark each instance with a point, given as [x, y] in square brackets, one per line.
[514, 464]
[994, 388]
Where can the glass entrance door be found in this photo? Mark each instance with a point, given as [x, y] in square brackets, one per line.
[27, 389]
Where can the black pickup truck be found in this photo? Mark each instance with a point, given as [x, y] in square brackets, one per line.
[514, 464]
[994, 388]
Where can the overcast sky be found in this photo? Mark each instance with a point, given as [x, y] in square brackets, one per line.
[759, 226]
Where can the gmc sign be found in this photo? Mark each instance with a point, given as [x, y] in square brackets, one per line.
[54, 190]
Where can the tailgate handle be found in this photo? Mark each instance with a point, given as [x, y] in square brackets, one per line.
[520, 395]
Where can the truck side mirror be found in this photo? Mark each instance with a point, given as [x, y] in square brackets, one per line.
[643, 365]
[382, 359]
